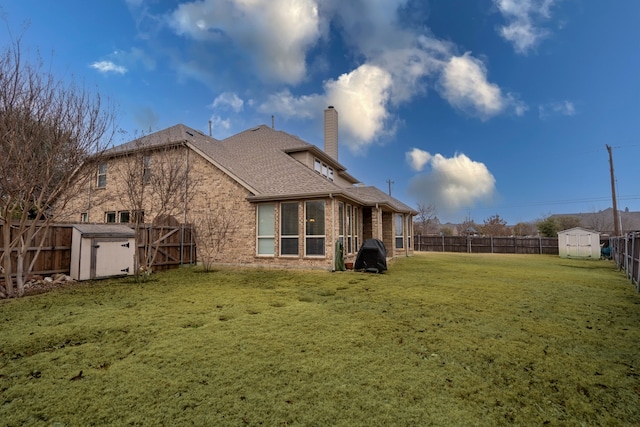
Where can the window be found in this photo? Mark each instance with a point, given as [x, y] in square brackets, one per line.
[109, 217]
[349, 229]
[356, 230]
[323, 169]
[125, 216]
[102, 175]
[409, 231]
[341, 222]
[314, 228]
[146, 172]
[84, 217]
[399, 231]
[289, 228]
[266, 227]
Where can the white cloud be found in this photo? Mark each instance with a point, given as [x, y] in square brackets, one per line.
[108, 67]
[284, 103]
[418, 158]
[275, 33]
[523, 17]
[228, 100]
[453, 184]
[464, 85]
[359, 96]
[218, 123]
[562, 108]
[393, 63]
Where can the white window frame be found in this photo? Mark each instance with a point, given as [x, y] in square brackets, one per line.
[120, 215]
[341, 212]
[399, 234]
[110, 214]
[146, 169]
[356, 229]
[349, 230]
[101, 178]
[322, 236]
[296, 236]
[264, 224]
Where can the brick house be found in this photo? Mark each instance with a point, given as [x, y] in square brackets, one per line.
[291, 200]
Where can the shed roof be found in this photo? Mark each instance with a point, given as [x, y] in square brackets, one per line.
[578, 229]
[104, 230]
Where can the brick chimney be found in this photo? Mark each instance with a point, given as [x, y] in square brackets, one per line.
[331, 132]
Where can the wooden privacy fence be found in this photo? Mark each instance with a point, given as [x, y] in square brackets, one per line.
[176, 244]
[176, 247]
[625, 251]
[490, 244]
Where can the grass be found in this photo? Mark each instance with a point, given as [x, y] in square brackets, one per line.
[439, 339]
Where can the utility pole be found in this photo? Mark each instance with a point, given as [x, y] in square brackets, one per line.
[616, 226]
[389, 182]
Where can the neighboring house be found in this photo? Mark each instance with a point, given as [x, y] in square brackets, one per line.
[291, 201]
[602, 221]
[579, 242]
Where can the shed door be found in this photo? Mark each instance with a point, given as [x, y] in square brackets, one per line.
[112, 258]
[578, 245]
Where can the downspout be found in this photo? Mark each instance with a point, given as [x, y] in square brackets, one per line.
[89, 202]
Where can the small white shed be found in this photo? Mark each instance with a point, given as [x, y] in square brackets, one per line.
[579, 242]
[102, 250]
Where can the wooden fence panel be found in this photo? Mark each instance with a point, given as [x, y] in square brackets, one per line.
[55, 255]
[625, 251]
[484, 244]
[177, 247]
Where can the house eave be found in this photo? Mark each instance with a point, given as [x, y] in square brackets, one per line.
[325, 194]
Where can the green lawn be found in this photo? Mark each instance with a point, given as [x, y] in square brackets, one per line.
[439, 339]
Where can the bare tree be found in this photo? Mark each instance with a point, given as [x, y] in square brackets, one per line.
[468, 227]
[426, 221]
[156, 186]
[48, 130]
[566, 222]
[214, 229]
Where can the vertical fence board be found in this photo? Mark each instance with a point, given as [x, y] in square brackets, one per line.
[55, 256]
[481, 244]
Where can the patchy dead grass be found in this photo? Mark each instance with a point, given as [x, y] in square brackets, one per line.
[439, 339]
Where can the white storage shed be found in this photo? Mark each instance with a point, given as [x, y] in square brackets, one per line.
[579, 242]
[102, 250]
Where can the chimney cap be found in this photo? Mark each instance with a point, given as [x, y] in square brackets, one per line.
[330, 106]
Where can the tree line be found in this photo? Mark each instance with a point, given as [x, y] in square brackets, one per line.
[426, 222]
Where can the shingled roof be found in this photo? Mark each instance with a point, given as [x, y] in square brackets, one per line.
[260, 160]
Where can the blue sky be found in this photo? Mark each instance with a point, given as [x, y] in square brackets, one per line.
[479, 107]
